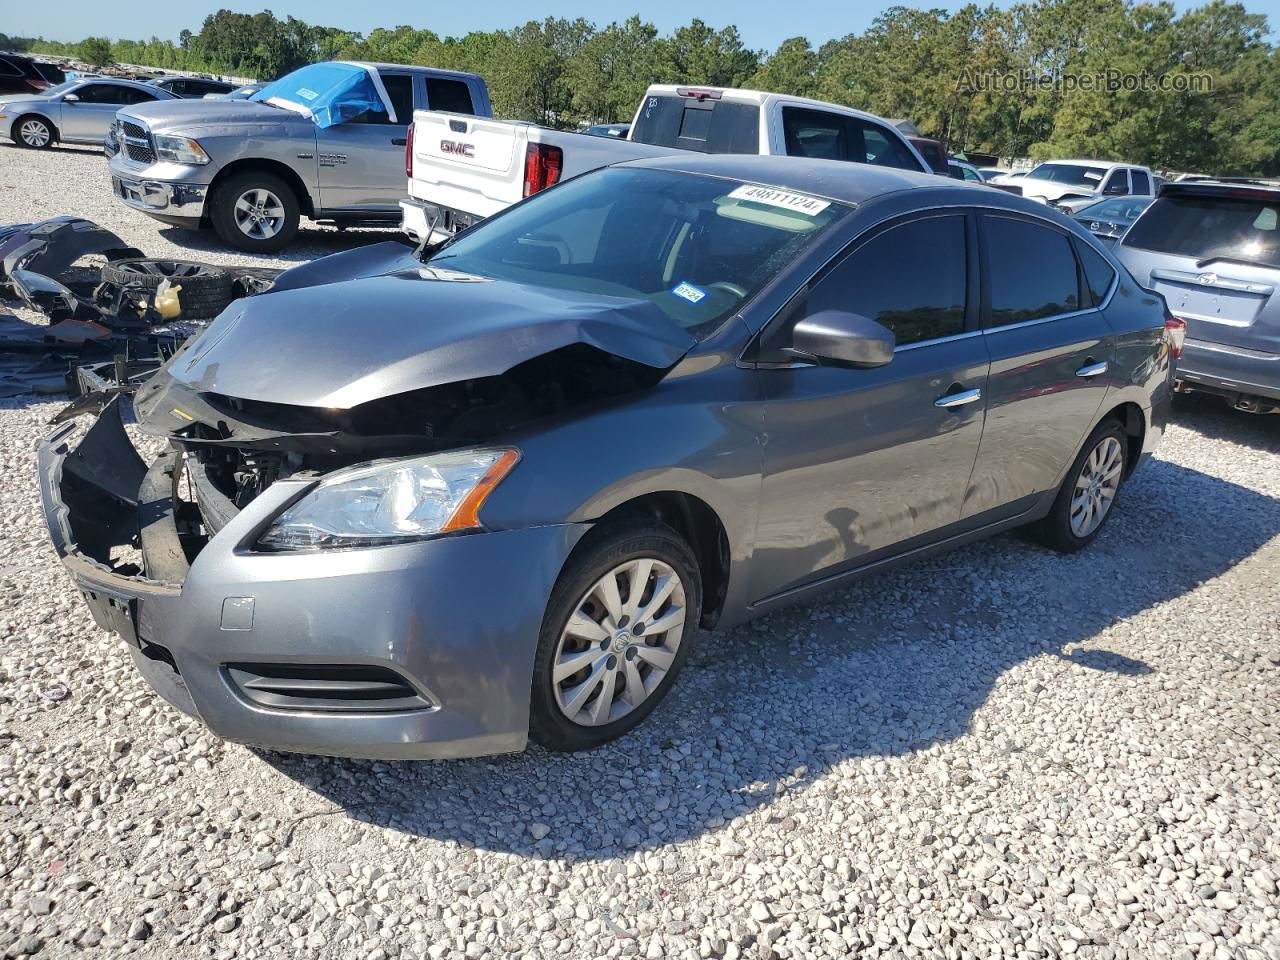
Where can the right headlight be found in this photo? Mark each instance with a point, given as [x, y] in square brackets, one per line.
[392, 501]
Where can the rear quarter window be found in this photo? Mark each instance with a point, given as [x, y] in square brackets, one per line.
[1236, 227]
[1098, 274]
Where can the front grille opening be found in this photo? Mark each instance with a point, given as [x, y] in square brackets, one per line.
[140, 154]
[327, 688]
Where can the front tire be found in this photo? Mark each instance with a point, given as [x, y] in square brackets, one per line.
[255, 212]
[1087, 497]
[34, 133]
[618, 629]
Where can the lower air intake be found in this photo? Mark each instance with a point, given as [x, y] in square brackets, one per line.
[337, 688]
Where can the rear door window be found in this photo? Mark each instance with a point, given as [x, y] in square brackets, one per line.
[134, 95]
[883, 280]
[105, 93]
[451, 95]
[1031, 271]
[1204, 226]
[814, 133]
[704, 126]
[882, 148]
[1141, 182]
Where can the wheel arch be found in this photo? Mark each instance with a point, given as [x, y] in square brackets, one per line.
[274, 167]
[55, 134]
[1134, 421]
[700, 526]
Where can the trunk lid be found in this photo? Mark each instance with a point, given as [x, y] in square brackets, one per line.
[1213, 253]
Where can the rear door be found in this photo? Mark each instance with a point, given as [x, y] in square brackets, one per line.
[361, 162]
[1050, 349]
[1213, 252]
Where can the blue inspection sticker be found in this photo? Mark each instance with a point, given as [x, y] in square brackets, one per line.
[687, 291]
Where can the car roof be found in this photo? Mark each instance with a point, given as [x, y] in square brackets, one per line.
[834, 179]
[149, 87]
[1093, 163]
[436, 71]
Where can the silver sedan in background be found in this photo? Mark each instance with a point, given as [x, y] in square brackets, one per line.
[78, 111]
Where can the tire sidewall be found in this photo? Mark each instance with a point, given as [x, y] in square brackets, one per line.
[223, 218]
[606, 549]
[1060, 518]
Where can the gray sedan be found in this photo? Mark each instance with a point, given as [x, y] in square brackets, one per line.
[432, 505]
[79, 111]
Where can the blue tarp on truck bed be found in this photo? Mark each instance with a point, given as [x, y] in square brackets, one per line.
[330, 93]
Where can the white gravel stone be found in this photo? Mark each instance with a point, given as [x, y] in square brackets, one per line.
[999, 751]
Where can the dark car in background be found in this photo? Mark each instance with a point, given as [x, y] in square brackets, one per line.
[450, 501]
[190, 88]
[1211, 247]
[1109, 219]
[19, 74]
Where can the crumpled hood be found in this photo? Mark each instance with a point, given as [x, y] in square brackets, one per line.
[1034, 188]
[186, 114]
[339, 345]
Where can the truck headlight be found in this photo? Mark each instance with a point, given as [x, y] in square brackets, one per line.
[392, 501]
[180, 150]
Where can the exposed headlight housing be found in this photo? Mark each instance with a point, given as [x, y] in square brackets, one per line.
[392, 501]
[180, 150]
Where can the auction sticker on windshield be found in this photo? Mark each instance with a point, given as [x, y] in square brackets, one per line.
[811, 206]
[687, 291]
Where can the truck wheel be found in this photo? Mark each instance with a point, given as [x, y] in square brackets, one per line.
[255, 212]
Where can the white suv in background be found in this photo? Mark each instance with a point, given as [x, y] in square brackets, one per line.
[1071, 185]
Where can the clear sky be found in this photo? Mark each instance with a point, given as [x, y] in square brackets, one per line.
[762, 23]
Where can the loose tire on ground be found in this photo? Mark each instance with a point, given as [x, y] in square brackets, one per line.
[204, 291]
[1106, 452]
[649, 553]
[230, 210]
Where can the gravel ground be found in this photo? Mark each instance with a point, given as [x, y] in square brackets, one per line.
[999, 752]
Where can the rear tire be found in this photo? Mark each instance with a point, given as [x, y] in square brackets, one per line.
[621, 656]
[255, 212]
[1087, 497]
[34, 132]
[204, 291]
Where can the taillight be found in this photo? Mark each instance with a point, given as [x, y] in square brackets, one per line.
[542, 166]
[408, 153]
[39, 84]
[1175, 328]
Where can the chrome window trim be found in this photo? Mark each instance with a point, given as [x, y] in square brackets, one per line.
[968, 334]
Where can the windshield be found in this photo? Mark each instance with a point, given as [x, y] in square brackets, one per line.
[1211, 227]
[328, 93]
[1119, 209]
[1070, 173]
[697, 247]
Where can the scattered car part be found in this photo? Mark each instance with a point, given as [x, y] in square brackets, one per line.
[51, 246]
[203, 291]
[48, 296]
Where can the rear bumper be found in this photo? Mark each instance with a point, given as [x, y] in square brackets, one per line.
[419, 218]
[456, 619]
[1218, 368]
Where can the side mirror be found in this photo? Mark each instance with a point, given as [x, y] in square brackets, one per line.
[843, 339]
[70, 98]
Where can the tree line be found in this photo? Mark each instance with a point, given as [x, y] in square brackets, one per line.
[1195, 91]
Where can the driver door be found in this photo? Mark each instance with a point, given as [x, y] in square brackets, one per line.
[863, 463]
[361, 162]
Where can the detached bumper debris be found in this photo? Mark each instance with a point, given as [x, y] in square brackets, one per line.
[108, 318]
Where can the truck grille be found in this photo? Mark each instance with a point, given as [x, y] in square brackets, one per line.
[136, 140]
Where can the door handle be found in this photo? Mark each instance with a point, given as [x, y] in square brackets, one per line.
[959, 398]
[1092, 369]
[399, 141]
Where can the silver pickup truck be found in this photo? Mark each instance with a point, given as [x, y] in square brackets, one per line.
[326, 142]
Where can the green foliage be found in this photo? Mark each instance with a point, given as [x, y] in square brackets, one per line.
[95, 51]
[926, 65]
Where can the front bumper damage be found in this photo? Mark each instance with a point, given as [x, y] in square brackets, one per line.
[418, 650]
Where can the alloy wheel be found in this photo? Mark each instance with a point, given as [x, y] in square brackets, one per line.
[617, 646]
[34, 133]
[259, 214]
[1096, 486]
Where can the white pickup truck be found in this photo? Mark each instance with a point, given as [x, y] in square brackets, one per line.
[462, 169]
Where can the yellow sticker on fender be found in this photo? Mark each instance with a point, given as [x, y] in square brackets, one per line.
[799, 202]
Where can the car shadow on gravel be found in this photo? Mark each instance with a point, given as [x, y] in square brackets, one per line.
[893, 665]
[311, 242]
[1211, 417]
